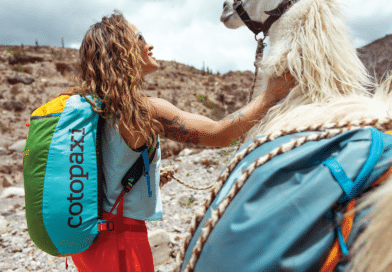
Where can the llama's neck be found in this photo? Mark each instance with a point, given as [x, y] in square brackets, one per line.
[325, 68]
[261, 83]
[274, 32]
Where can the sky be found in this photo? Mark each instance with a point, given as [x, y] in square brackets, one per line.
[185, 31]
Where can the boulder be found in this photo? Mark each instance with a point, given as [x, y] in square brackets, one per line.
[23, 59]
[3, 225]
[18, 146]
[12, 192]
[185, 152]
[161, 246]
[20, 78]
[6, 180]
[170, 148]
[13, 105]
[6, 169]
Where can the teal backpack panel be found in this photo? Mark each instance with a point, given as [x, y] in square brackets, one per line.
[71, 202]
[280, 219]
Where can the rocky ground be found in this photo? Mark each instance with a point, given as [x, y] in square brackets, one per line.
[32, 76]
[18, 252]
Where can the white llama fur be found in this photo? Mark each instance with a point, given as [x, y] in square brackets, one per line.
[312, 41]
[372, 251]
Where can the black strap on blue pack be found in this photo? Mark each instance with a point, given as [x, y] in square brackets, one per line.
[101, 176]
[135, 172]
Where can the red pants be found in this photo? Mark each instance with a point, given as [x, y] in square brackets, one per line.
[118, 251]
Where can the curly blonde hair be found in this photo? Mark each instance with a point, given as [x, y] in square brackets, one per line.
[109, 70]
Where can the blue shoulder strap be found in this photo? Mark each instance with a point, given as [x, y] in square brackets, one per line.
[146, 170]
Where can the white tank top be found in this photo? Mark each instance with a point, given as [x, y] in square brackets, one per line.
[118, 158]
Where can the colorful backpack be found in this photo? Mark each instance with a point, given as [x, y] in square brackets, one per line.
[289, 213]
[63, 176]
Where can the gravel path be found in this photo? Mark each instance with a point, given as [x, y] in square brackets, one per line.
[18, 252]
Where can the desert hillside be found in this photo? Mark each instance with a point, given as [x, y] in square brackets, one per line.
[377, 56]
[33, 75]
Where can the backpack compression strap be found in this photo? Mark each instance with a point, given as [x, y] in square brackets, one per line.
[336, 252]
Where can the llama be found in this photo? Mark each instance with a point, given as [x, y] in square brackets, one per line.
[312, 41]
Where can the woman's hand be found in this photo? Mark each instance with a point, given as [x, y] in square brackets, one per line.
[166, 176]
[280, 87]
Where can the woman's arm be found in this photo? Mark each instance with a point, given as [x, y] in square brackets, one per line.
[237, 124]
[181, 126]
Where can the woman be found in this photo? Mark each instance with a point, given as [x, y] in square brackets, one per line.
[114, 57]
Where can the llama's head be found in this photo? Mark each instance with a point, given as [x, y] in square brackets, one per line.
[254, 8]
[312, 41]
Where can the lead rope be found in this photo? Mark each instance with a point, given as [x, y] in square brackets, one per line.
[168, 171]
[330, 130]
[259, 57]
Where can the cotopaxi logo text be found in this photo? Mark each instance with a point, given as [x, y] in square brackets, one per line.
[76, 176]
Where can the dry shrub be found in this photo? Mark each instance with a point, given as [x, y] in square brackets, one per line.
[18, 68]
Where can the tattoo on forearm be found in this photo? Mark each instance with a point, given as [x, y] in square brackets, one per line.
[175, 130]
[233, 116]
[238, 114]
